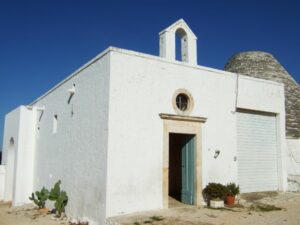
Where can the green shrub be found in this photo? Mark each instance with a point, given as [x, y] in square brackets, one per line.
[60, 197]
[215, 191]
[41, 199]
[232, 189]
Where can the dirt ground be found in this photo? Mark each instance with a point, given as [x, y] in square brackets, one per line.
[26, 215]
[259, 209]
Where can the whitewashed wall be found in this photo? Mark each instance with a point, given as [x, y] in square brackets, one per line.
[141, 87]
[267, 96]
[11, 130]
[77, 153]
[25, 156]
[2, 181]
[18, 155]
[108, 147]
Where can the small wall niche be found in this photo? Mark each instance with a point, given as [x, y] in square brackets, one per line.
[54, 129]
[11, 142]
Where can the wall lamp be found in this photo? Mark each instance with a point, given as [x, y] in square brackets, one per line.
[217, 153]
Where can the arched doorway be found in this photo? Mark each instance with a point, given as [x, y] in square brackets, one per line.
[10, 168]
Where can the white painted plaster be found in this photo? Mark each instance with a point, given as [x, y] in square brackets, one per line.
[141, 87]
[267, 97]
[259, 95]
[11, 131]
[19, 154]
[167, 42]
[25, 156]
[2, 181]
[76, 153]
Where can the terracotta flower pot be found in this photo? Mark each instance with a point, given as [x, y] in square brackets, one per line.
[230, 200]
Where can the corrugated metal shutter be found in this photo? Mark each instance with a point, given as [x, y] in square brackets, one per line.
[257, 152]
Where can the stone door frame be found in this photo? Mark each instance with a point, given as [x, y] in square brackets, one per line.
[182, 125]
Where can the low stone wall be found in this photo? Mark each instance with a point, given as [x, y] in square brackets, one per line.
[294, 183]
[2, 181]
[293, 164]
[110, 222]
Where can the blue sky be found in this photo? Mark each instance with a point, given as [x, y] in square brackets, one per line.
[41, 42]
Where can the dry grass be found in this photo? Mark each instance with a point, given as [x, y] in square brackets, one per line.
[80, 223]
[260, 207]
[258, 195]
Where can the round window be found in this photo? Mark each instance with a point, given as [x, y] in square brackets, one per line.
[182, 102]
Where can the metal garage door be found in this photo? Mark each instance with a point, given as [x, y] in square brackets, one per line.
[257, 152]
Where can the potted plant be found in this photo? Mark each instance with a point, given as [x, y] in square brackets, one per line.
[232, 190]
[215, 194]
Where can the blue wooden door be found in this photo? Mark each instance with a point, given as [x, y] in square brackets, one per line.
[188, 170]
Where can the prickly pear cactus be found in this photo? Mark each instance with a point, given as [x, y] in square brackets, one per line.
[60, 197]
[41, 199]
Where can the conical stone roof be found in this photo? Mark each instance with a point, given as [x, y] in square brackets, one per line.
[263, 65]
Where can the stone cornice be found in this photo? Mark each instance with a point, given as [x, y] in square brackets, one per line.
[182, 118]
